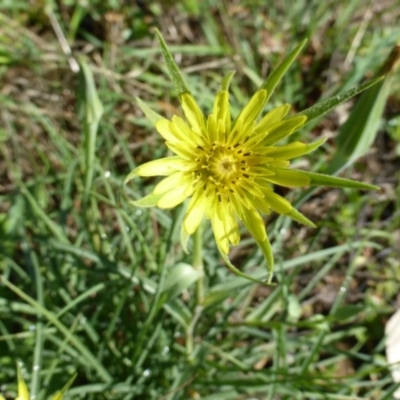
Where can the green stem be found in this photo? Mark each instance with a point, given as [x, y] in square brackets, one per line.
[37, 358]
[198, 266]
[198, 263]
[190, 334]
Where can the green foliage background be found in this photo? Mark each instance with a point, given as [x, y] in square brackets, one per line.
[92, 285]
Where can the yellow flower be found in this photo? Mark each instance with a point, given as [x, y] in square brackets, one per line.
[227, 166]
[23, 392]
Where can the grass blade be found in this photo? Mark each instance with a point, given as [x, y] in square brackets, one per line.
[93, 110]
[89, 357]
[359, 132]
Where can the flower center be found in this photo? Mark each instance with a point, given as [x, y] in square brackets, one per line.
[223, 165]
[226, 165]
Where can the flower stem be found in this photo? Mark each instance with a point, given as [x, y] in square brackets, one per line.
[198, 263]
[198, 266]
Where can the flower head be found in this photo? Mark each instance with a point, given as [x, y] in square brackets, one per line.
[227, 166]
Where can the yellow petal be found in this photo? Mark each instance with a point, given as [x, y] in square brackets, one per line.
[163, 127]
[192, 112]
[232, 227]
[225, 212]
[183, 150]
[254, 107]
[260, 172]
[212, 129]
[241, 132]
[222, 133]
[242, 197]
[23, 393]
[175, 196]
[283, 129]
[251, 188]
[176, 131]
[237, 206]
[255, 139]
[182, 130]
[292, 150]
[195, 213]
[161, 167]
[257, 160]
[220, 234]
[216, 130]
[221, 109]
[170, 183]
[272, 118]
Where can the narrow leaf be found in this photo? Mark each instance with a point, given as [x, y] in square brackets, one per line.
[162, 166]
[41, 214]
[327, 105]
[93, 110]
[274, 78]
[93, 106]
[359, 131]
[87, 355]
[173, 70]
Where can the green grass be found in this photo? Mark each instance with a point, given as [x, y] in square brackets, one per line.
[93, 285]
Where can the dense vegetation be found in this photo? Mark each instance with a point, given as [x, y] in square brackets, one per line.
[93, 285]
